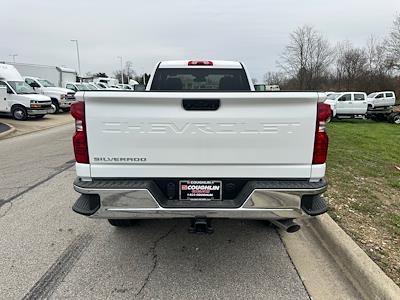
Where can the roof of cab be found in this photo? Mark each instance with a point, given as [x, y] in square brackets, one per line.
[221, 64]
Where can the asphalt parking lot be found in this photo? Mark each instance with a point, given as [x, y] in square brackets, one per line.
[33, 124]
[49, 251]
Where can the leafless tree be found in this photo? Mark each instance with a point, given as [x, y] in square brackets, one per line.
[377, 57]
[351, 64]
[307, 57]
[393, 44]
[129, 72]
[275, 78]
[307, 63]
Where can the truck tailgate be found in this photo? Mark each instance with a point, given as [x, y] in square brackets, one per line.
[251, 135]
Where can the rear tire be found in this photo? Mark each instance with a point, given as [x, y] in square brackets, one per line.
[19, 113]
[39, 116]
[122, 222]
[391, 116]
[396, 119]
[66, 109]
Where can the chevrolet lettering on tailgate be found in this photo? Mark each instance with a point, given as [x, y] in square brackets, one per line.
[200, 128]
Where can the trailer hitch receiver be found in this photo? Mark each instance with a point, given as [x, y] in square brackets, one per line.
[201, 225]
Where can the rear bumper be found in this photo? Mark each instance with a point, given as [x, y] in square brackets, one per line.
[141, 199]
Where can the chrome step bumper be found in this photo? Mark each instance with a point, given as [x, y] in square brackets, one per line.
[138, 199]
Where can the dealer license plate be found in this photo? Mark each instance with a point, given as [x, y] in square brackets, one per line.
[200, 190]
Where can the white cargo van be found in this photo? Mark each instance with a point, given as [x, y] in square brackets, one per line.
[17, 98]
[61, 98]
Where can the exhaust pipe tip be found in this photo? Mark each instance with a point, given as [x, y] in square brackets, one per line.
[288, 225]
[292, 229]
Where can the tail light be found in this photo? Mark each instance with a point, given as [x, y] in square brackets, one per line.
[79, 139]
[200, 63]
[321, 138]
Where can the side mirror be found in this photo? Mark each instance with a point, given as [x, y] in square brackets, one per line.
[139, 87]
[3, 93]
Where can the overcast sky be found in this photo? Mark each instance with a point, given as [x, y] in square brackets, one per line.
[145, 32]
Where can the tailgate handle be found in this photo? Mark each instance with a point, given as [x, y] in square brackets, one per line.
[201, 104]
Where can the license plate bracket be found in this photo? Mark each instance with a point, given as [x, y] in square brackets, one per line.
[200, 190]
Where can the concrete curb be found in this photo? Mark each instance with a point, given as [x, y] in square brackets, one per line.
[9, 131]
[365, 275]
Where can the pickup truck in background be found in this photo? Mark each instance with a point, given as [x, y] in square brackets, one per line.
[347, 104]
[381, 99]
[200, 143]
[61, 98]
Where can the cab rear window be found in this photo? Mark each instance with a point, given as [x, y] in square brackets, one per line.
[200, 79]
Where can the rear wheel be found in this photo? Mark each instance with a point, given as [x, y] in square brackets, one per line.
[391, 116]
[122, 222]
[19, 113]
[66, 109]
[39, 116]
[396, 119]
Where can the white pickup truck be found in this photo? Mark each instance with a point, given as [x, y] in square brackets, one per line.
[347, 104]
[200, 143]
[61, 98]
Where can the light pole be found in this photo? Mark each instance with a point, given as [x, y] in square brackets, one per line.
[77, 53]
[13, 56]
[122, 70]
[143, 75]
